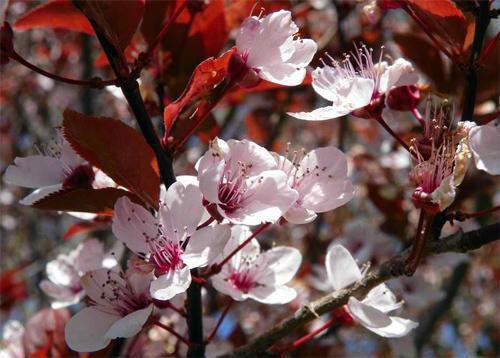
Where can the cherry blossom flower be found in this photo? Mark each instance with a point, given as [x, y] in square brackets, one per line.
[63, 283]
[372, 311]
[442, 159]
[170, 242]
[269, 48]
[57, 167]
[240, 180]
[320, 178]
[357, 87]
[261, 276]
[119, 305]
[485, 147]
[12, 340]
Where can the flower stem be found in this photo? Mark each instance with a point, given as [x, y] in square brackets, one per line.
[461, 216]
[261, 228]
[94, 83]
[206, 223]
[219, 322]
[180, 311]
[418, 116]
[194, 310]
[417, 248]
[172, 331]
[383, 123]
[308, 337]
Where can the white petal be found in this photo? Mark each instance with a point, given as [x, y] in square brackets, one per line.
[86, 331]
[223, 286]
[485, 146]
[88, 255]
[40, 194]
[299, 215]
[321, 114]
[34, 171]
[185, 204]
[341, 268]
[400, 73]
[255, 157]
[205, 245]
[273, 295]
[304, 52]
[381, 298]
[398, 327]
[131, 222]
[282, 264]
[210, 180]
[170, 284]
[359, 94]
[283, 73]
[130, 325]
[366, 315]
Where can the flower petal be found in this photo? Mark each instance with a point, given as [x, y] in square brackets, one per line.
[205, 245]
[321, 114]
[273, 295]
[366, 315]
[86, 331]
[485, 147]
[304, 52]
[283, 73]
[132, 224]
[170, 284]
[223, 286]
[381, 298]
[299, 215]
[281, 263]
[398, 327]
[129, 325]
[341, 268]
[400, 73]
[34, 171]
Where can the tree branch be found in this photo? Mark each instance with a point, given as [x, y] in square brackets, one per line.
[458, 242]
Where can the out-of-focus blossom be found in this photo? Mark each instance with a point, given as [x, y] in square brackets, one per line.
[63, 283]
[57, 167]
[320, 178]
[170, 242]
[441, 165]
[485, 146]
[119, 305]
[12, 340]
[43, 334]
[357, 85]
[372, 311]
[261, 276]
[417, 292]
[240, 182]
[269, 48]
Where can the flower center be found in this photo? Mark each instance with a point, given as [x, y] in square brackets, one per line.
[233, 187]
[242, 280]
[165, 255]
[80, 177]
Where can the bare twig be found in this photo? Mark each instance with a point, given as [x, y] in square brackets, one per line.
[458, 242]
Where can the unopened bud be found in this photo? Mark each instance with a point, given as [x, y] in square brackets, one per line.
[404, 98]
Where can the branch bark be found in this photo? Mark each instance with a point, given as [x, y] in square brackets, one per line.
[458, 242]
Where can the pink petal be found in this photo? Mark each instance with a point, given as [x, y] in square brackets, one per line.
[283, 73]
[485, 146]
[281, 265]
[304, 52]
[170, 284]
[341, 268]
[205, 245]
[366, 315]
[34, 171]
[130, 325]
[273, 295]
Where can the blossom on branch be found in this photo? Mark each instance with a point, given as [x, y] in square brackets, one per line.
[269, 48]
[485, 146]
[240, 182]
[170, 242]
[357, 85]
[372, 311]
[320, 178]
[261, 276]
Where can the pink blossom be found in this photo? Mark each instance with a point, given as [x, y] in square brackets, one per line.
[63, 283]
[357, 87]
[372, 311]
[240, 180]
[170, 241]
[119, 306]
[320, 178]
[270, 47]
[261, 276]
[12, 340]
[485, 146]
[57, 167]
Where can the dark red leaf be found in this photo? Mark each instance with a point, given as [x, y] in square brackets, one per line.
[118, 150]
[100, 201]
[82, 227]
[60, 14]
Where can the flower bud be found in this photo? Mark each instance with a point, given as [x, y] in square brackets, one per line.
[404, 98]
[240, 73]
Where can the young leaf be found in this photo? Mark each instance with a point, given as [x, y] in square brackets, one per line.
[60, 14]
[118, 150]
[99, 201]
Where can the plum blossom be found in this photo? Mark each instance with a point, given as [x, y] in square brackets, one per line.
[12, 340]
[485, 147]
[357, 87]
[270, 48]
[261, 276]
[170, 242]
[372, 311]
[57, 167]
[320, 178]
[63, 283]
[240, 182]
[442, 159]
[119, 306]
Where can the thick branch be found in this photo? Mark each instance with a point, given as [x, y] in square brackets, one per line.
[458, 242]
